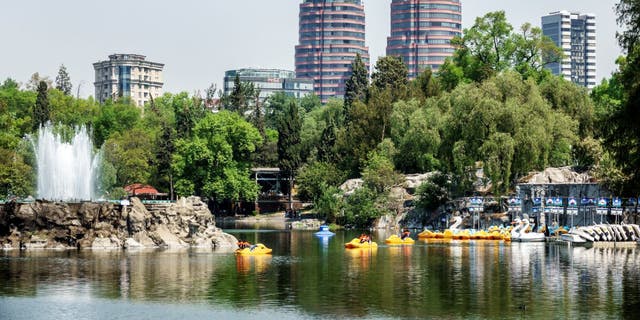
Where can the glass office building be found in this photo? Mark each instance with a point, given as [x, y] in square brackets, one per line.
[269, 81]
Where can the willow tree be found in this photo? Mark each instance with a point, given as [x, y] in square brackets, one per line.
[507, 126]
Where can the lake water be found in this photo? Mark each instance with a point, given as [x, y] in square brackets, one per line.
[311, 277]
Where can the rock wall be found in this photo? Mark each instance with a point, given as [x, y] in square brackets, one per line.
[185, 223]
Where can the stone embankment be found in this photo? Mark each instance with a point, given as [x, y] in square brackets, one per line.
[50, 225]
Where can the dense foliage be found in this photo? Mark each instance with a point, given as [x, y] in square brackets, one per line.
[491, 107]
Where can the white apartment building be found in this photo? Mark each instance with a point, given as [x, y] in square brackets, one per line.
[128, 75]
[575, 34]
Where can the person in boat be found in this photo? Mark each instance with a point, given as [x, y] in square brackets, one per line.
[365, 238]
[405, 234]
[243, 244]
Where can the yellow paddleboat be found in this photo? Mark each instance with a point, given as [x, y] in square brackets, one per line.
[428, 234]
[256, 249]
[355, 243]
[394, 239]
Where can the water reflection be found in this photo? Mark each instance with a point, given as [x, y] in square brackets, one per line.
[318, 277]
[255, 264]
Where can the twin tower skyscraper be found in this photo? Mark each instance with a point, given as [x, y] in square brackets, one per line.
[332, 33]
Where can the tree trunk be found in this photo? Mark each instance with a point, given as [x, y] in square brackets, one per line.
[291, 192]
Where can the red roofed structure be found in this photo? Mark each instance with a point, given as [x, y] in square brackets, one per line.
[143, 191]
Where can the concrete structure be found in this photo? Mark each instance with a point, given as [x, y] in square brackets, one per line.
[332, 33]
[421, 32]
[575, 34]
[128, 75]
[270, 81]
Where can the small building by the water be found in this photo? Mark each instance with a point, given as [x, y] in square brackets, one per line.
[144, 192]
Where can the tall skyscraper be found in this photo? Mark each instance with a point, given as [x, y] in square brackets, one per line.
[128, 75]
[332, 33]
[421, 32]
[575, 34]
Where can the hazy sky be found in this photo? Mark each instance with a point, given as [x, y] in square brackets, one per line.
[199, 40]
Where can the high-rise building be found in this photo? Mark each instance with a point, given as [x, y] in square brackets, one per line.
[270, 81]
[332, 33]
[575, 34]
[421, 32]
[128, 75]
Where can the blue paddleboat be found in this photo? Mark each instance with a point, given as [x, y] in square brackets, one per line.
[324, 231]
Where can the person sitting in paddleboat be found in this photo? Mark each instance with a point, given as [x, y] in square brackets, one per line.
[405, 234]
[364, 238]
[243, 244]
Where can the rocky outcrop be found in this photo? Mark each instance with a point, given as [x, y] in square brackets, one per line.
[564, 175]
[50, 225]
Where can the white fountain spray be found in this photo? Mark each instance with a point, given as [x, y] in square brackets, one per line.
[66, 171]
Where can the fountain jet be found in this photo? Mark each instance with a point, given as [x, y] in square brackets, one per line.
[67, 171]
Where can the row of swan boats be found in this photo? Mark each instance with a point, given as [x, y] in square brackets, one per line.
[521, 231]
[603, 232]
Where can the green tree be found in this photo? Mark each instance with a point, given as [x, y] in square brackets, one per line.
[241, 96]
[67, 110]
[314, 178]
[114, 117]
[310, 102]
[490, 47]
[391, 73]
[507, 126]
[164, 149]
[433, 192]
[319, 132]
[131, 153]
[328, 205]
[187, 113]
[357, 86]
[379, 172]
[497, 153]
[274, 107]
[416, 131]
[16, 176]
[573, 100]
[361, 209]
[16, 111]
[623, 138]
[289, 128]
[41, 111]
[425, 85]
[215, 162]
[607, 98]
[326, 147]
[534, 51]
[357, 138]
[368, 127]
[63, 81]
[486, 48]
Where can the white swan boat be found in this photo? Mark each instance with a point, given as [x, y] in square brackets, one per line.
[530, 236]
